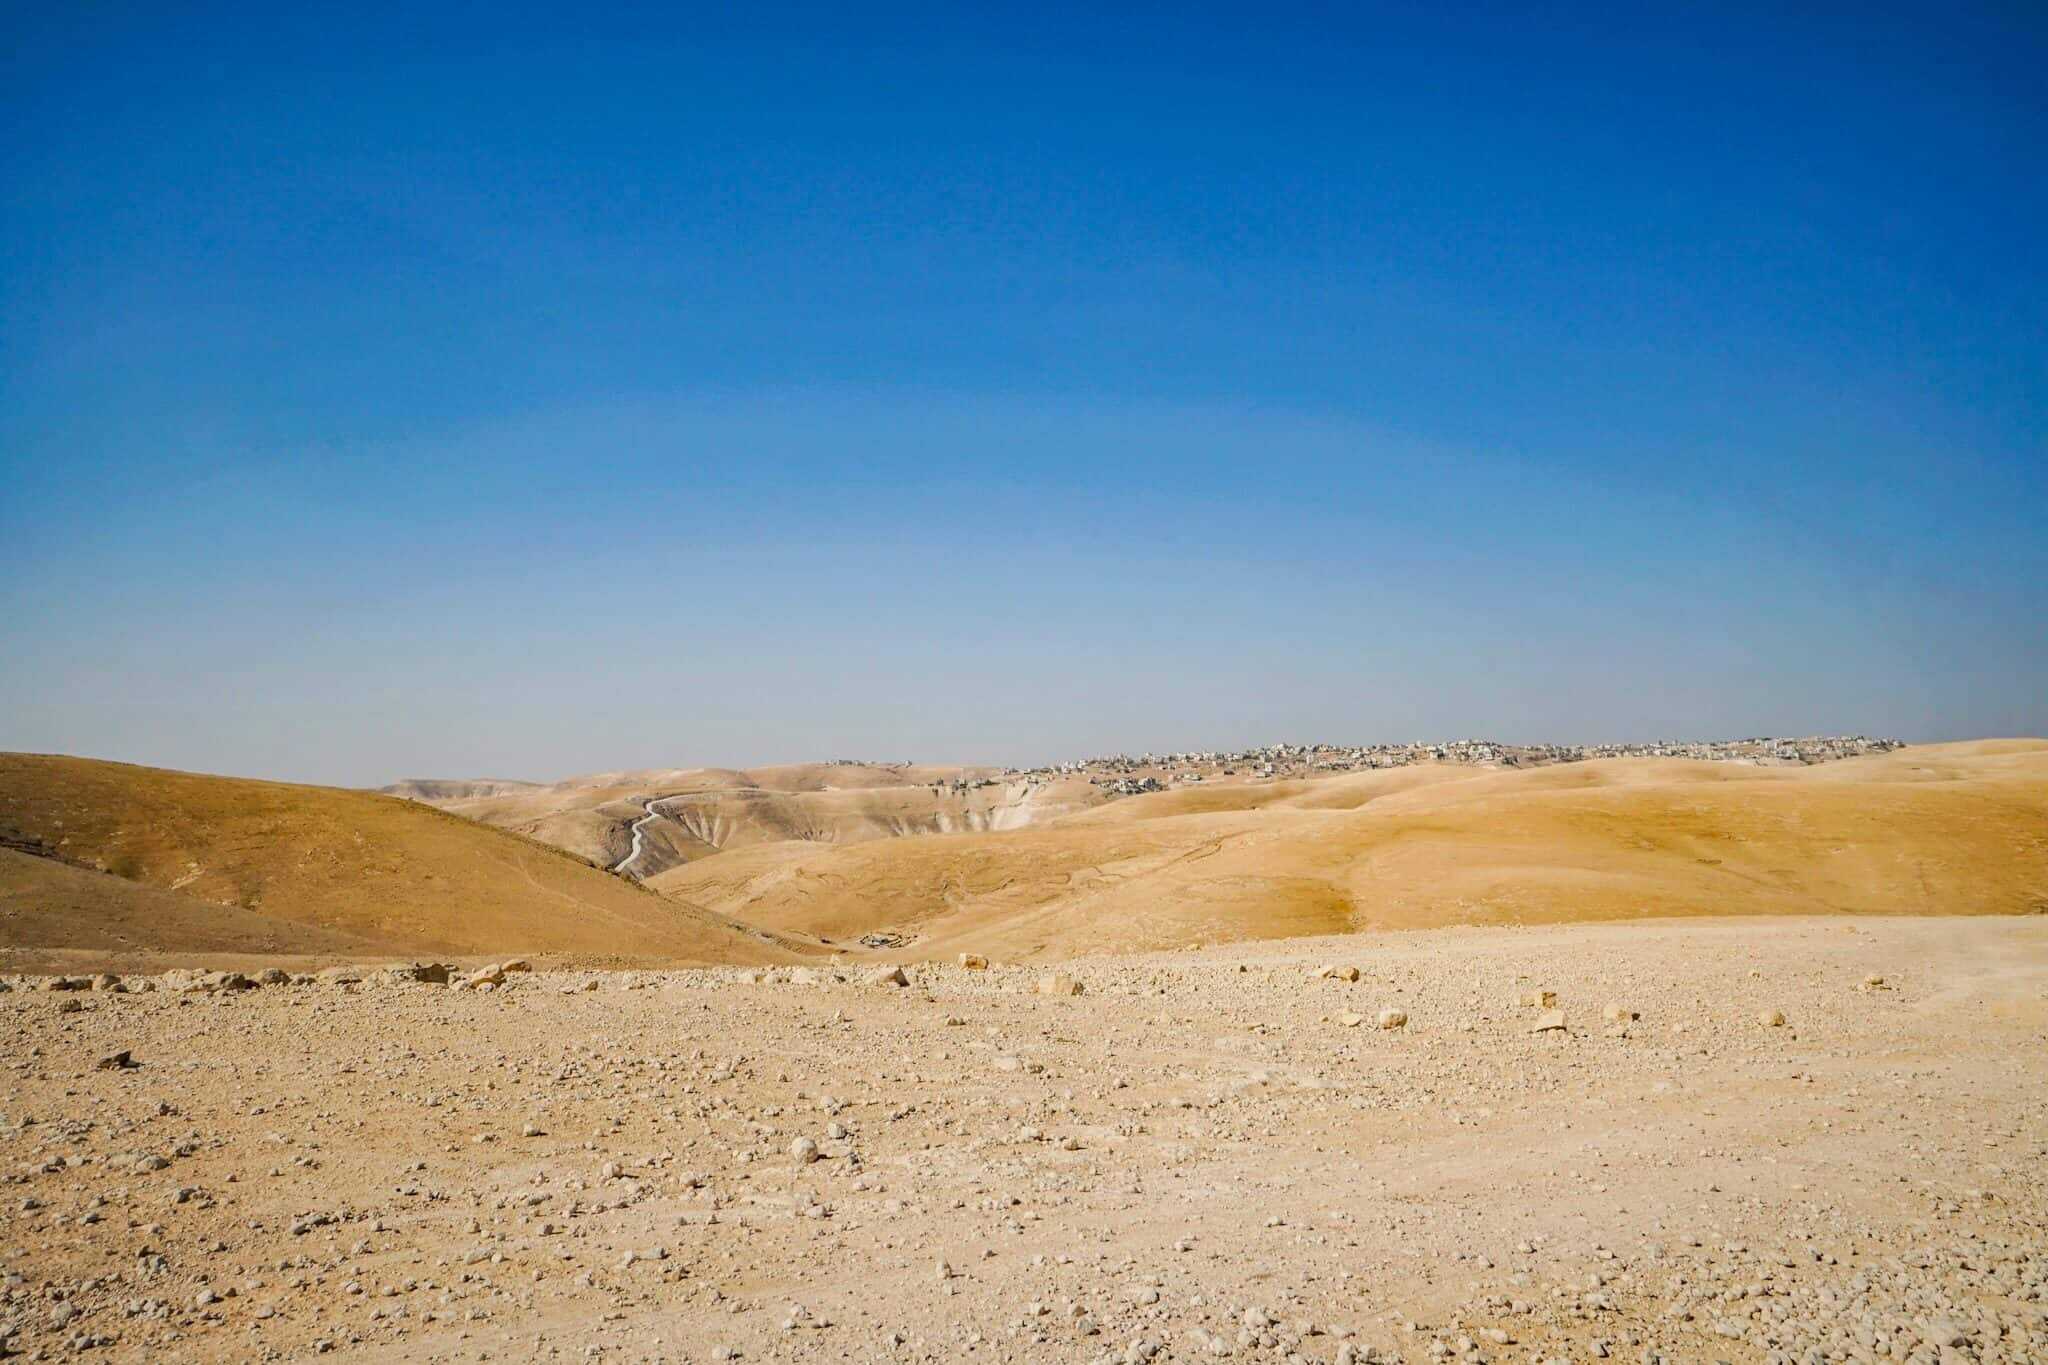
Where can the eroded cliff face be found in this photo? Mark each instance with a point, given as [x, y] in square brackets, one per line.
[648, 822]
[434, 790]
[694, 825]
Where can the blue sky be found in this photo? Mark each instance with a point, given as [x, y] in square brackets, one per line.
[454, 390]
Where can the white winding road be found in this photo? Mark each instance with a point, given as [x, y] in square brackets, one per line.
[638, 838]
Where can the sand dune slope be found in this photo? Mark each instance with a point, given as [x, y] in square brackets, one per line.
[1955, 829]
[345, 866]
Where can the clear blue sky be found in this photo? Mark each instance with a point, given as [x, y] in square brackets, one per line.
[454, 390]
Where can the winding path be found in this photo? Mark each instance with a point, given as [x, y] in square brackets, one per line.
[639, 839]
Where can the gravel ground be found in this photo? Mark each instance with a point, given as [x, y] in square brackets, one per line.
[1216, 1154]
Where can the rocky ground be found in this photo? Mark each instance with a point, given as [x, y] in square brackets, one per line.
[1215, 1154]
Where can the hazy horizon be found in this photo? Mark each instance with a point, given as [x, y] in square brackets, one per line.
[384, 400]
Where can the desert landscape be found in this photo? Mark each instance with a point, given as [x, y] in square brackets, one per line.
[1046, 685]
[1471, 1058]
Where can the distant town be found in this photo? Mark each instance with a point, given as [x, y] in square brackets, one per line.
[1131, 774]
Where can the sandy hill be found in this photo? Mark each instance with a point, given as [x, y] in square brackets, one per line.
[57, 917]
[1947, 829]
[703, 811]
[194, 864]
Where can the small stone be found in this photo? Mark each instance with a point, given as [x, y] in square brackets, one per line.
[1550, 1021]
[1771, 1018]
[1058, 983]
[804, 1150]
[1333, 972]
[1393, 1018]
[973, 962]
[117, 1061]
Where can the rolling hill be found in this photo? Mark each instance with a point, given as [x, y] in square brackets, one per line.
[135, 863]
[198, 864]
[706, 811]
[1947, 829]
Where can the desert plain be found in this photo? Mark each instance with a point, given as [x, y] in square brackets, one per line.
[1637, 1059]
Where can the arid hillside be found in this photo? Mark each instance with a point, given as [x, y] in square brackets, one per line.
[703, 811]
[108, 861]
[1946, 829]
[189, 864]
